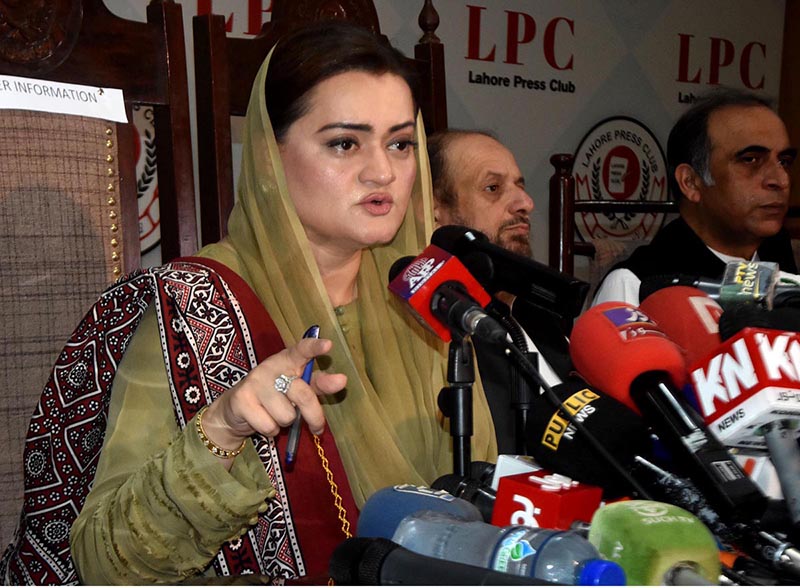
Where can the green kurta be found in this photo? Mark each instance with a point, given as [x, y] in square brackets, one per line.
[181, 506]
[386, 424]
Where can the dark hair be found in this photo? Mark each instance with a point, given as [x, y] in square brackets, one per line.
[688, 140]
[441, 174]
[312, 54]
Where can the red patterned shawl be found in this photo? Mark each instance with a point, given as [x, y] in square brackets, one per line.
[213, 331]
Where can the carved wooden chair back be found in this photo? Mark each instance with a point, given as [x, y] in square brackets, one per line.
[68, 190]
[225, 68]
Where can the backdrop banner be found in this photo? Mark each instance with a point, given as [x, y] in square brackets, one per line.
[542, 75]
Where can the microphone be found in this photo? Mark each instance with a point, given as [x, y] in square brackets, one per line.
[474, 491]
[557, 446]
[733, 320]
[509, 464]
[657, 544]
[621, 350]
[444, 296]
[383, 511]
[540, 499]
[361, 561]
[743, 282]
[545, 500]
[748, 393]
[688, 316]
[509, 272]
[623, 434]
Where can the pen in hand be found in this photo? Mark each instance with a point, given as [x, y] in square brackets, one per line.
[294, 433]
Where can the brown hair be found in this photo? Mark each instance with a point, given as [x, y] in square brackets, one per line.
[310, 55]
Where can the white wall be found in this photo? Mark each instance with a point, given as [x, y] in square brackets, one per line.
[586, 60]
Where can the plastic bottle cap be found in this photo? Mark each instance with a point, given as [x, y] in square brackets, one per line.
[600, 572]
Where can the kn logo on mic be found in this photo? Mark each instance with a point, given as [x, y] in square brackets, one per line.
[748, 382]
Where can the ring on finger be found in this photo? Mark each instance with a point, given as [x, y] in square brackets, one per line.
[283, 383]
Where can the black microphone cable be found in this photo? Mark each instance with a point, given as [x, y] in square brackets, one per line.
[522, 392]
[534, 373]
[783, 552]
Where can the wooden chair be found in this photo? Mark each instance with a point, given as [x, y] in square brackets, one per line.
[68, 209]
[565, 241]
[225, 69]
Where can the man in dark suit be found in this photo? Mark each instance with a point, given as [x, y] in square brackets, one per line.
[477, 183]
[729, 158]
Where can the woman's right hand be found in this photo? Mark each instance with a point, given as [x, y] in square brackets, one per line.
[256, 405]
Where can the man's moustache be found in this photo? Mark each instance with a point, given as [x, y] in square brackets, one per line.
[513, 222]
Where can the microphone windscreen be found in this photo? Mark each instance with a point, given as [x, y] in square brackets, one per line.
[347, 558]
[453, 238]
[479, 265]
[786, 298]
[418, 282]
[557, 446]
[652, 284]
[383, 511]
[688, 316]
[613, 343]
[652, 541]
[470, 489]
[399, 265]
[739, 317]
[535, 282]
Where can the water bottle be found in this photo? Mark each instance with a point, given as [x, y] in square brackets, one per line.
[555, 556]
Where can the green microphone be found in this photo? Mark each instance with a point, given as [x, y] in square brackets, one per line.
[657, 544]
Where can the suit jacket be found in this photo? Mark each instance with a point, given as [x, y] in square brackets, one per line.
[677, 249]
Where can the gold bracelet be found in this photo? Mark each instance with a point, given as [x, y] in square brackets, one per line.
[210, 445]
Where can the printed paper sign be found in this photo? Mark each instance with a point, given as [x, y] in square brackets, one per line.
[49, 96]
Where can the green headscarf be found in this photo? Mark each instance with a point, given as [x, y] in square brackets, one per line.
[387, 425]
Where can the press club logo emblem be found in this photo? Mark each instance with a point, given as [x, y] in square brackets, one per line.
[620, 159]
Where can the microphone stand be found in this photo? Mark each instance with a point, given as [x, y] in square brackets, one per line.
[521, 400]
[531, 370]
[455, 402]
[523, 391]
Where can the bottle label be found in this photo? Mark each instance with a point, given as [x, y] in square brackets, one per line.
[514, 554]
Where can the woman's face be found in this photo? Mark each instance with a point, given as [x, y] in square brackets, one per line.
[349, 161]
